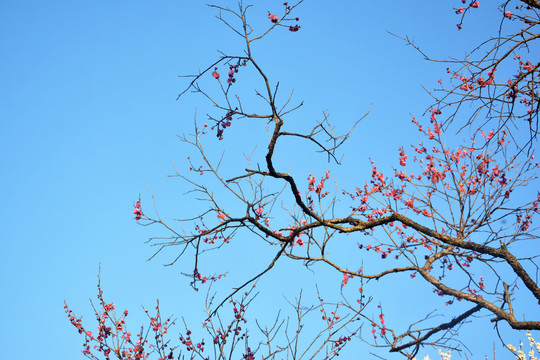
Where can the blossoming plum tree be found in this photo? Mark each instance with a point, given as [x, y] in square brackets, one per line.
[457, 211]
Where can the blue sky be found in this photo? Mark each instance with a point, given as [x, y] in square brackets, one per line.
[90, 120]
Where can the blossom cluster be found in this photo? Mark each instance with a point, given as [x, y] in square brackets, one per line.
[275, 19]
[137, 210]
[113, 339]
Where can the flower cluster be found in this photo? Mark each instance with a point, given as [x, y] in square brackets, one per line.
[320, 185]
[294, 28]
[233, 69]
[112, 337]
[275, 19]
[375, 325]
[346, 278]
[473, 4]
[203, 279]
[137, 210]
[223, 124]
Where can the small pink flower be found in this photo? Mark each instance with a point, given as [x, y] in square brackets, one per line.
[89, 333]
[508, 14]
[475, 4]
[259, 211]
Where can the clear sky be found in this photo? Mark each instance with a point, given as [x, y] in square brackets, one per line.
[89, 120]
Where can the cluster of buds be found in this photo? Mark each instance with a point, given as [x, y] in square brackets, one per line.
[434, 112]
[232, 70]
[489, 81]
[294, 28]
[137, 211]
[224, 123]
[249, 355]
[466, 86]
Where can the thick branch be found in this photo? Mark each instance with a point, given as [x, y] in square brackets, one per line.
[533, 3]
[501, 253]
